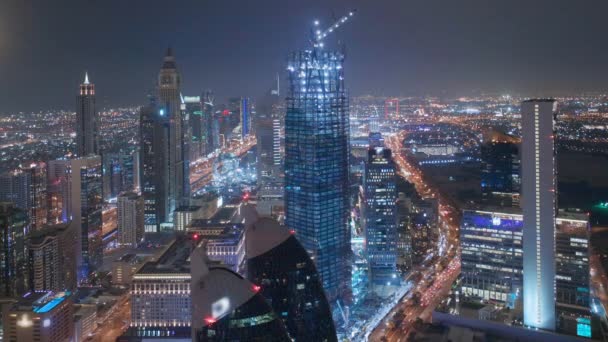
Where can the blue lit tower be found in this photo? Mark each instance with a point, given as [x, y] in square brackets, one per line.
[380, 215]
[316, 161]
[539, 211]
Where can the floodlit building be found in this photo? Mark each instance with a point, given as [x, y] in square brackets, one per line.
[539, 206]
[316, 164]
[40, 317]
[160, 290]
[491, 256]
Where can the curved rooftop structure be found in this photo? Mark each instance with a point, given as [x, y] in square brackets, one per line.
[264, 235]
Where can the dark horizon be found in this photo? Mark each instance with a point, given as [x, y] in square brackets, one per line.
[548, 48]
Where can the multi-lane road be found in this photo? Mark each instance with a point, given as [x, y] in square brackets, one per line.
[201, 170]
[437, 274]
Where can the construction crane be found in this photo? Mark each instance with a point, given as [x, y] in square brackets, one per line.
[318, 34]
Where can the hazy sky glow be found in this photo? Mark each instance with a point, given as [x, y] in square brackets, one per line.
[396, 47]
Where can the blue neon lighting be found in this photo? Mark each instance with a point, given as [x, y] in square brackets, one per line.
[50, 305]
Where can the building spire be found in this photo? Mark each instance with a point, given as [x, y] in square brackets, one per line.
[169, 52]
[86, 78]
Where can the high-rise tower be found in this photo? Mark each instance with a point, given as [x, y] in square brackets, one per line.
[289, 281]
[539, 209]
[316, 162]
[87, 120]
[170, 102]
[380, 212]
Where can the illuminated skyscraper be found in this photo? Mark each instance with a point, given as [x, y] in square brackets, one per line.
[500, 181]
[86, 201]
[539, 210]
[245, 111]
[154, 171]
[169, 101]
[316, 164]
[130, 219]
[87, 120]
[14, 225]
[380, 215]
[52, 258]
[26, 187]
[164, 167]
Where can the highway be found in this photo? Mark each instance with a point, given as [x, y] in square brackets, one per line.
[201, 170]
[438, 273]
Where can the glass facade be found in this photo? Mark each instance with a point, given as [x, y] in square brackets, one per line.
[500, 173]
[91, 207]
[572, 274]
[290, 283]
[491, 256]
[316, 164]
[380, 214]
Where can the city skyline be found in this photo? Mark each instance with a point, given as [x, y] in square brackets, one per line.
[431, 48]
[258, 198]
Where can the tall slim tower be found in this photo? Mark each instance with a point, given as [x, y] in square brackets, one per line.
[170, 102]
[87, 120]
[539, 211]
[316, 163]
[380, 212]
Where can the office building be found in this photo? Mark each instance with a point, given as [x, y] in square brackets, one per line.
[87, 120]
[125, 267]
[52, 258]
[423, 236]
[491, 256]
[130, 219]
[539, 209]
[169, 100]
[184, 216]
[380, 216]
[154, 171]
[376, 140]
[207, 123]
[40, 317]
[245, 113]
[572, 274]
[193, 109]
[492, 264]
[289, 281]
[85, 183]
[223, 242]
[227, 307]
[26, 187]
[404, 243]
[58, 190]
[500, 182]
[14, 226]
[85, 322]
[164, 146]
[160, 290]
[120, 173]
[316, 164]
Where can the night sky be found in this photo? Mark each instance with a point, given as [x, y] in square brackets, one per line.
[397, 47]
